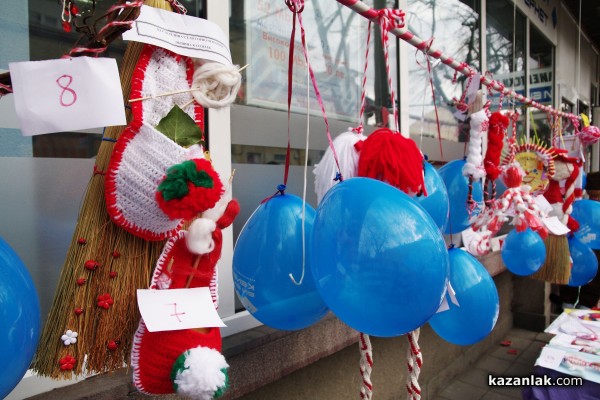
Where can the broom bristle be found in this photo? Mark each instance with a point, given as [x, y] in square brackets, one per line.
[392, 158]
[557, 267]
[125, 264]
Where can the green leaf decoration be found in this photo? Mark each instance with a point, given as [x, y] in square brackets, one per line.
[175, 185]
[178, 126]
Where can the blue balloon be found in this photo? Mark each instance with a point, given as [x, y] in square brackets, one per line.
[585, 263]
[436, 202]
[500, 187]
[476, 315]
[457, 186]
[587, 213]
[583, 179]
[268, 250]
[379, 260]
[523, 253]
[19, 319]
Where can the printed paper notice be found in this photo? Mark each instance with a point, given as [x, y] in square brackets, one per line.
[67, 94]
[182, 34]
[173, 309]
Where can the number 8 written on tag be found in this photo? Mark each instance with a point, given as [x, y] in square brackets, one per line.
[72, 96]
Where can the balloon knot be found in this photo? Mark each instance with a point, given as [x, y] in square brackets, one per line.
[281, 188]
[338, 177]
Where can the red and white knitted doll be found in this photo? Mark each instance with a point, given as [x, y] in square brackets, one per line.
[187, 362]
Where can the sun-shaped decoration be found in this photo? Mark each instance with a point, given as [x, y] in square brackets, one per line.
[537, 162]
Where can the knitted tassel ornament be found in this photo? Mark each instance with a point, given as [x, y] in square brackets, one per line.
[188, 361]
[394, 159]
[498, 124]
[347, 145]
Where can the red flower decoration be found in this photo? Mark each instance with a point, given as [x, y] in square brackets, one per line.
[113, 345]
[113, 274]
[116, 254]
[104, 301]
[81, 241]
[67, 363]
[80, 281]
[78, 311]
[91, 265]
[189, 188]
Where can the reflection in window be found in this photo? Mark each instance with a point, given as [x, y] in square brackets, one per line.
[541, 83]
[453, 26]
[505, 41]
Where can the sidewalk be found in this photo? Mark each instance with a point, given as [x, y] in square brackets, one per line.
[516, 359]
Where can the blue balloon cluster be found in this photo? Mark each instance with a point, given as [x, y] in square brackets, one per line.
[524, 252]
[585, 263]
[587, 213]
[436, 202]
[19, 319]
[476, 315]
[457, 186]
[269, 249]
[379, 261]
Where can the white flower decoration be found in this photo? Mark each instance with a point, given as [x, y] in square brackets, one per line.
[69, 337]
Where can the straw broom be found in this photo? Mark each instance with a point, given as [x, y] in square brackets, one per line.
[124, 264]
[557, 267]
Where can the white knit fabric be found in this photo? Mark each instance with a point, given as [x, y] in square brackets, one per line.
[149, 154]
[165, 74]
[474, 163]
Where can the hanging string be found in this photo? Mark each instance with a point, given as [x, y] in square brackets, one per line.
[437, 117]
[361, 112]
[366, 366]
[390, 19]
[306, 149]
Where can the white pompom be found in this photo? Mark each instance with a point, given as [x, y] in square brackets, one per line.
[326, 170]
[199, 236]
[202, 374]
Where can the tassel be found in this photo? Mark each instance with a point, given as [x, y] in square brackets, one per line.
[498, 124]
[557, 267]
[394, 159]
[326, 170]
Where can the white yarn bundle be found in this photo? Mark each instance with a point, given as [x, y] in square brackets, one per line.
[474, 163]
[217, 84]
[326, 170]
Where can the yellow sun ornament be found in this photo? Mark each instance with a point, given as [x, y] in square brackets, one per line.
[536, 161]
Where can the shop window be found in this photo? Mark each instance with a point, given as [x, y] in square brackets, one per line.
[541, 84]
[453, 26]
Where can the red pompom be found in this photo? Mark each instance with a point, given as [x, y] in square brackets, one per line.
[394, 159]
[497, 125]
[201, 194]
[512, 177]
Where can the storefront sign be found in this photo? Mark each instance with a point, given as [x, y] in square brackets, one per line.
[333, 54]
[540, 84]
[543, 14]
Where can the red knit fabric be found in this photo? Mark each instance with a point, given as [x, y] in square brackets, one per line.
[392, 158]
[497, 127]
[158, 351]
[552, 193]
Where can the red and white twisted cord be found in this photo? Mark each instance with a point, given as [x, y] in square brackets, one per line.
[390, 19]
[366, 366]
[414, 362]
[363, 95]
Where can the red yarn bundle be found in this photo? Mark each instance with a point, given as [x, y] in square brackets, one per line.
[498, 124]
[394, 159]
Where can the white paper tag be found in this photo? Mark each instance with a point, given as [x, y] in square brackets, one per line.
[550, 357]
[555, 226]
[67, 94]
[543, 204]
[182, 34]
[445, 306]
[174, 309]
[473, 88]
[564, 340]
